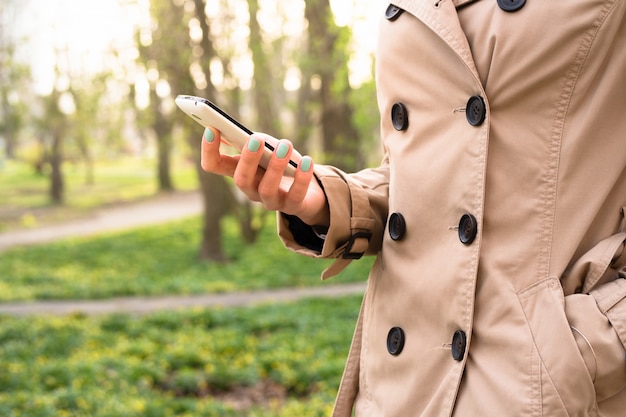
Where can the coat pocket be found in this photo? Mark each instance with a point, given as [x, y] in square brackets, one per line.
[565, 384]
[599, 344]
[596, 315]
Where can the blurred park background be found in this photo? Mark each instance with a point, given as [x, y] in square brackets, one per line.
[88, 122]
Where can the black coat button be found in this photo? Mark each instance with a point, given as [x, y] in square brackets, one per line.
[395, 341]
[475, 110]
[393, 12]
[459, 343]
[399, 116]
[468, 228]
[511, 5]
[397, 226]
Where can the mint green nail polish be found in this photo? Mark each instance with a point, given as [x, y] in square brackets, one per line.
[209, 135]
[282, 150]
[254, 144]
[305, 164]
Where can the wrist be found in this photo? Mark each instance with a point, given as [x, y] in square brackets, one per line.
[319, 219]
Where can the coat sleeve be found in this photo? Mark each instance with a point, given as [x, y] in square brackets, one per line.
[597, 313]
[358, 211]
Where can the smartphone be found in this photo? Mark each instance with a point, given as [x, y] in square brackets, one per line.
[233, 133]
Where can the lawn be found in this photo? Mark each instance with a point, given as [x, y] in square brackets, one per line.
[24, 200]
[157, 260]
[279, 360]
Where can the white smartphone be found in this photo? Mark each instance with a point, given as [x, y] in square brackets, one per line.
[233, 133]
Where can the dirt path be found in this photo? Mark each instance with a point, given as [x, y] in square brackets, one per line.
[157, 210]
[143, 305]
[160, 209]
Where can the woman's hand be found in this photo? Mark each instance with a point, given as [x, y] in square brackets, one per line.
[302, 197]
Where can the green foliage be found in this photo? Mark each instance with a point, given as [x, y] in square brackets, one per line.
[157, 260]
[366, 119]
[339, 57]
[272, 360]
[15, 82]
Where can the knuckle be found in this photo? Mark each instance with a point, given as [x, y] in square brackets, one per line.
[266, 193]
[277, 166]
[241, 180]
[247, 183]
[252, 196]
[293, 199]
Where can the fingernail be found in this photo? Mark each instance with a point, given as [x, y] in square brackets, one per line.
[209, 135]
[282, 150]
[305, 164]
[254, 144]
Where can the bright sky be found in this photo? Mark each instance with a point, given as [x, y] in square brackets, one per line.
[88, 29]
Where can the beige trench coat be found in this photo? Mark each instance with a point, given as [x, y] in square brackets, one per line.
[497, 214]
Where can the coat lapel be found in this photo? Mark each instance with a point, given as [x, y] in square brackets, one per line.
[441, 17]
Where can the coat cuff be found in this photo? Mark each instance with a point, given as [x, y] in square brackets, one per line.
[345, 240]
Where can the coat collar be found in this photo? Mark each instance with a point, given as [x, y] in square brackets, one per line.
[441, 17]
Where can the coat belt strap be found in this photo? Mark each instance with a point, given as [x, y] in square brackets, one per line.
[361, 229]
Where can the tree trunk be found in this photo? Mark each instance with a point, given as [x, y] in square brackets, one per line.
[8, 129]
[162, 126]
[340, 137]
[216, 194]
[164, 165]
[57, 186]
[267, 119]
[303, 114]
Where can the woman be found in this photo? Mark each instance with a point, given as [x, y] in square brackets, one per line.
[496, 215]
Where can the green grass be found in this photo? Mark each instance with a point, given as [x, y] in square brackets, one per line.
[24, 200]
[157, 260]
[280, 360]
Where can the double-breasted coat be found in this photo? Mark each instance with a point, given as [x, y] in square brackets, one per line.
[496, 215]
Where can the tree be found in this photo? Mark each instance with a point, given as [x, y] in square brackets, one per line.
[90, 118]
[14, 78]
[184, 64]
[54, 127]
[328, 62]
[13, 111]
[164, 60]
[67, 124]
[264, 80]
[217, 194]
[196, 52]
